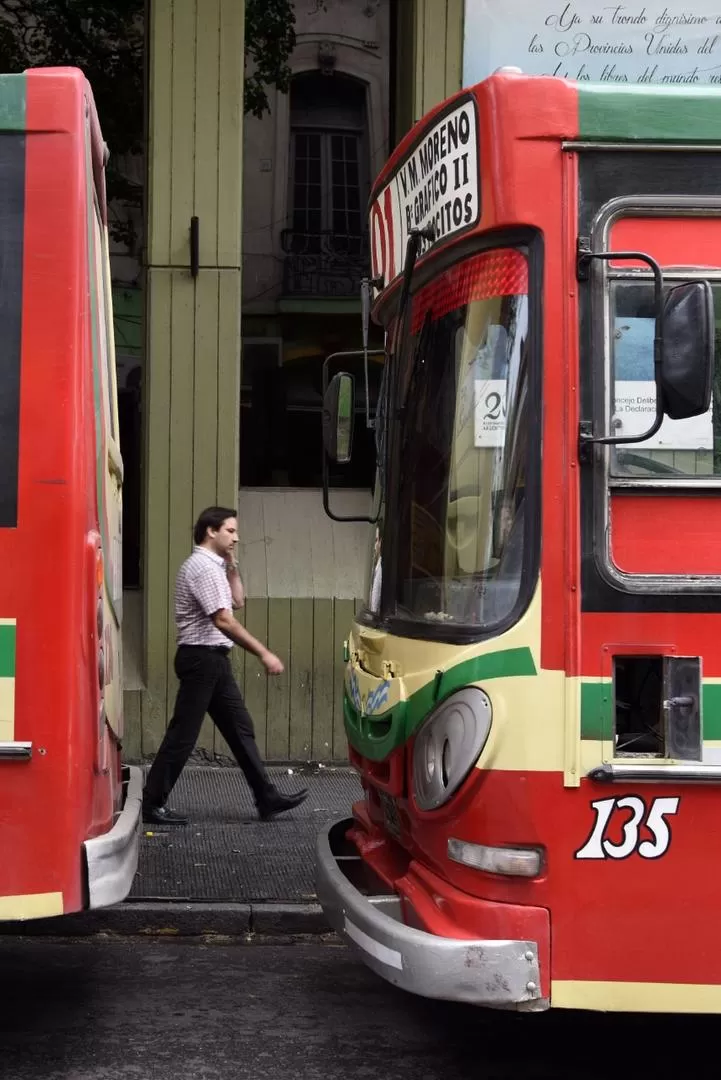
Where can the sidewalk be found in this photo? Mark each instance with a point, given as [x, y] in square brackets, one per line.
[226, 853]
[227, 872]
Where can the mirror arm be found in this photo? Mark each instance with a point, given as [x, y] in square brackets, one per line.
[326, 500]
[366, 285]
[586, 439]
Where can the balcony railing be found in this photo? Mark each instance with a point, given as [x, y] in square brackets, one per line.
[324, 265]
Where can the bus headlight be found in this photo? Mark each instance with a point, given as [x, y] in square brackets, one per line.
[516, 862]
[448, 745]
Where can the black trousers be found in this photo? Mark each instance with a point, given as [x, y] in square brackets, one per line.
[207, 685]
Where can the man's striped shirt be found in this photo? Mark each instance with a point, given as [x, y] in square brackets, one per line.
[201, 589]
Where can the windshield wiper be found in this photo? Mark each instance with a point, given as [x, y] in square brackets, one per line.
[417, 361]
[415, 236]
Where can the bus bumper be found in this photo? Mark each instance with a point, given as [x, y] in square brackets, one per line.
[497, 973]
[112, 858]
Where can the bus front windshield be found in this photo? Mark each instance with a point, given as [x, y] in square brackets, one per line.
[464, 412]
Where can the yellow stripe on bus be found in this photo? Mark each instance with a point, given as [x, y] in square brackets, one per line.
[527, 733]
[7, 710]
[31, 906]
[636, 996]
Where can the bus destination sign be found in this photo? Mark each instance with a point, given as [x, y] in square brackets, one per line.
[437, 183]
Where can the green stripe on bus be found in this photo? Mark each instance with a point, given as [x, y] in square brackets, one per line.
[712, 711]
[7, 651]
[685, 114]
[12, 102]
[597, 711]
[376, 736]
[496, 665]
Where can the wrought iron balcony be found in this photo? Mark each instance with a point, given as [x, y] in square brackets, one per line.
[325, 264]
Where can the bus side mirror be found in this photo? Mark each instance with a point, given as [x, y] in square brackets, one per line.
[688, 350]
[338, 412]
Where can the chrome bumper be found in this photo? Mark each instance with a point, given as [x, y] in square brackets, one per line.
[503, 974]
[112, 859]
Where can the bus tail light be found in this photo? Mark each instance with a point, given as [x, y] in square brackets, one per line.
[448, 746]
[515, 862]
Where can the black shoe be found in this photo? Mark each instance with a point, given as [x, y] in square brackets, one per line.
[277, 803]
[161, 815]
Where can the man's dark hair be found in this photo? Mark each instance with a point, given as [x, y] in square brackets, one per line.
[212, 518]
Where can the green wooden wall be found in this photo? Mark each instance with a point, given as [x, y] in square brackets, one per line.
[429, 57]
[439, 52]
[192, 369]
[299, 715]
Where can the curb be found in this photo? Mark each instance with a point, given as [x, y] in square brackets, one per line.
[178, 919]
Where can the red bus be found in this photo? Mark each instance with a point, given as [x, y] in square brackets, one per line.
[533, 690]
[69, 809]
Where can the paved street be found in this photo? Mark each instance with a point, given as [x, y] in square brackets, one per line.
[174, 1010]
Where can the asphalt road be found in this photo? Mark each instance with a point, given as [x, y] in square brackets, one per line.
[134, 1009]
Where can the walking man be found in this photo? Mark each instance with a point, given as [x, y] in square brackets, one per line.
[207, 589]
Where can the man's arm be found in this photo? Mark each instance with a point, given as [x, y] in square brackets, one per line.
[225, 621]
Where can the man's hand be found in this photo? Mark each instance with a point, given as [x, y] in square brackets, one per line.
[272, 663]
[236, 585]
